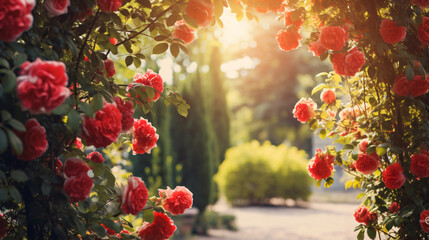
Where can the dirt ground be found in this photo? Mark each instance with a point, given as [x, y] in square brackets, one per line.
[318, 221]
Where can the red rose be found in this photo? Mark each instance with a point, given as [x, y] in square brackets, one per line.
[33, 140]
[176, 201]
[420, 164]
[109, 66]
[4, 226]
[423, 32]
[201, 11]
[41, 86]
[113, 41]
[321, 165]
[151, 79]
[162, 228]
[348, 64]
[78, 143]
[333, 37]
[328, 96]
[363, 215]
[127, 111]
[394, 207]
[74, 167]
[109, 5]
[293, 17]
[339, 63]
[304, 109]
[78, 188]
[134, 196]
[363, 145]
[56, 7]
[391, 32]
[316, 48]
[58, 166]
[401, 86]
[95, 157]
[424, 221]
[418, 86]
[421, 3]
[104, 129]
[15, 18]
[144, 136]
[183, 31]
[288, 39]
[393, 176]
[355, 59]
[367, 163]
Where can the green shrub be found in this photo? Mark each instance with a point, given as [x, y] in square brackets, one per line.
[253, 173]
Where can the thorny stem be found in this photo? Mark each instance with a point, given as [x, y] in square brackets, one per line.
[81, 53]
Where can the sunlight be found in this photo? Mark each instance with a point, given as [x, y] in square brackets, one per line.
[234, 33]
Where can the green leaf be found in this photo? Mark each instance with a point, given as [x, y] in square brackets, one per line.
[409, 72]
[97, 102]
[19, 59]
[62, 109]
[371, 232]
[318, 182]
[323, 133]
[99, 230]
[349, 146]
[110, 177]
[5, 115]
[371, 149]
[190, 21]
[148, 215]
[160, 48]
[380, 151]
[328, 182]
[87, 109]
[15, 142]
[9, 82]
[4, 63]
[16, 195]
[361, 235]
[73, 120]
[117, 227]
[19, 175]
[17, 125]
[128, 61]
[318, 88]
[3, 141]
[137, 62]
[3, 194]
[182, 109]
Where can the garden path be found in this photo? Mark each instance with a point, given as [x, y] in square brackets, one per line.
[318, 221]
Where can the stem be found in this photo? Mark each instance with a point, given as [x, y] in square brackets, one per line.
[81, 53]
[108, 201]
[150, 24]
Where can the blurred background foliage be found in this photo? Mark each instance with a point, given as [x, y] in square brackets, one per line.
[241, 87]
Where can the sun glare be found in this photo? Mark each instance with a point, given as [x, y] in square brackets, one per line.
[234, 33]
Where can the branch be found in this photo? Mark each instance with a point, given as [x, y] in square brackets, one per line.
[81, 53]
[150, 24]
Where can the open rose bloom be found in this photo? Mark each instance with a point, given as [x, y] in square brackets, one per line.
[15, 18]
[41, 86]
[176, 201]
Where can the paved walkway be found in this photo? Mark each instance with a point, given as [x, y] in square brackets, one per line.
[320, 221]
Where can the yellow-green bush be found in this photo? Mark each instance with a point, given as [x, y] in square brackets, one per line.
[253, 173]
